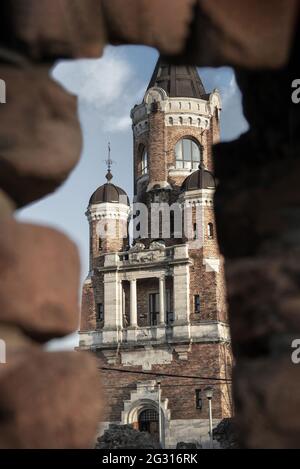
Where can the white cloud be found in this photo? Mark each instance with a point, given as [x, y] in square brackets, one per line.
[233, 122]
[107, 86]
[229, 91]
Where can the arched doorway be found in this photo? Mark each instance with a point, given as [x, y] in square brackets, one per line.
[148, 422]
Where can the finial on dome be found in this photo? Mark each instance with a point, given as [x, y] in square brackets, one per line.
[109, 163]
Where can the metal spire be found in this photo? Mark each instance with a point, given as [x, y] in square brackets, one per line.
[109, 163]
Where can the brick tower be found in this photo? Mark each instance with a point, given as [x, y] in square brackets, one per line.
[154, 311]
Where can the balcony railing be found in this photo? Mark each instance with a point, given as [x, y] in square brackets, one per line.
[146, 256]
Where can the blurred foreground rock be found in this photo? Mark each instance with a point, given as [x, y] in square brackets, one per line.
[226, 435]
[183, 445]
[39, 273]
[40, 138]
[47, 400]
[125, 437]
[44, 397]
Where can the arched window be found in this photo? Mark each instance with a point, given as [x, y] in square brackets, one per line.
[148, 421]
[188, 154]
[171, 120]
[180, 120]
[210, 231]
[144, 162]
[190, 121]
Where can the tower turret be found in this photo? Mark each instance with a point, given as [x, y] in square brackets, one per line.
[108, 216]
[174, 128]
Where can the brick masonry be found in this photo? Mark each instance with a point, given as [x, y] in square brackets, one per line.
[179, 392]
[200, 356]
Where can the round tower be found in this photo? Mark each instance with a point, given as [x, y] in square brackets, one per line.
[196, 198]
[174, 129]
[207, 273]
[108, 216]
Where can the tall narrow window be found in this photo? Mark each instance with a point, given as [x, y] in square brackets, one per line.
[170, 315]
[100, 244]
[197, 305]
[187, 154]
[198, 399]
[210, 231]
[100, 312]
[153, 308]
[144, 162]
[160, 224]
[195, 229]
[172, 224]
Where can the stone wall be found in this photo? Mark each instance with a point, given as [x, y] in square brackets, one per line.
[42, 401]
[203, 360]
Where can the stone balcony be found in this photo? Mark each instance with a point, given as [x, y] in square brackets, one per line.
[138, 256]
[207, 331]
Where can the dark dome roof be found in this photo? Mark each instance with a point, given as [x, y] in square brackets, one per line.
[109, 193]
[177, 80]
[200, 179]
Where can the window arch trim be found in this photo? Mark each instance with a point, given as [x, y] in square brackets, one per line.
[143, 160]
[188, 153]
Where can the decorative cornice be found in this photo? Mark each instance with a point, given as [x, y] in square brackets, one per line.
[109, 211]
[175, 108]
[201, 197]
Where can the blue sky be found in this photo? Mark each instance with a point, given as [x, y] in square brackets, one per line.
[107, 89]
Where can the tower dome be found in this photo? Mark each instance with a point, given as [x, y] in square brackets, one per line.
[200, 179]
[109, 193]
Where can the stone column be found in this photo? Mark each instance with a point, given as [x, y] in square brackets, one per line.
[162, 300]
[121, 306]
[181, 279]
[133, 303]
[111, 307]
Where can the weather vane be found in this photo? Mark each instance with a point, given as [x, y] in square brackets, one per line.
[109, 163]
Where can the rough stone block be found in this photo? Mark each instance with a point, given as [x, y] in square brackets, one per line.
[53, 28]
[264, 303]
[164, 25]
[39, 280]
[7, 206]
[254, 35]
[267, 399]
[49, 400]
[40, 137]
